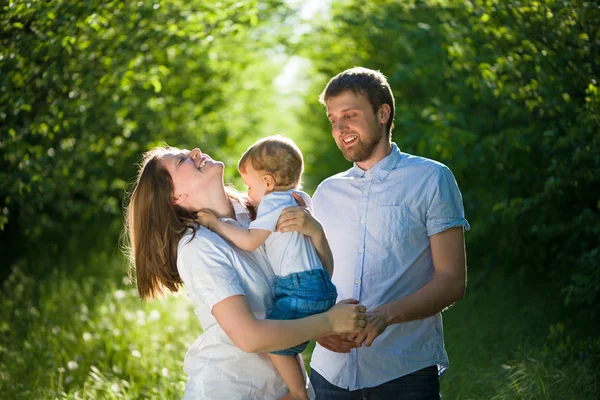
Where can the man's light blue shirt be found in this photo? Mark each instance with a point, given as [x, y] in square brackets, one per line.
[378, 223]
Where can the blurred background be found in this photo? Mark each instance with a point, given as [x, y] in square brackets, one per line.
[504, 92]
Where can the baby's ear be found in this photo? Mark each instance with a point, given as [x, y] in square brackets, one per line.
[269, 181]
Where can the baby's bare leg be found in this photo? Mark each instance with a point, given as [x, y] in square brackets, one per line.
[291, 372]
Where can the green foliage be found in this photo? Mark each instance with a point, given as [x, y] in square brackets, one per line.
[500, 346]
[86, 87]
[506, 94]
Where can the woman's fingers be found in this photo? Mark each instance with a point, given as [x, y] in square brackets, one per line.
[291, 218]
[349, 301]
[299, 199]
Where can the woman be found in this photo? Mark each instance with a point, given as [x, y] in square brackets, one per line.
[230, 287]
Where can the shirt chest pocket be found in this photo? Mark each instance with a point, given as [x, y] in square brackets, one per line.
[392, 224]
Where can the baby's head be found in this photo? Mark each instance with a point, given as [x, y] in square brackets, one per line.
[272, 164]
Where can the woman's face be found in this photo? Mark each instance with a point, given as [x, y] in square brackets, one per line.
[196, 178]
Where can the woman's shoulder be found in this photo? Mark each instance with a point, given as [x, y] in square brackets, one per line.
[204, 240]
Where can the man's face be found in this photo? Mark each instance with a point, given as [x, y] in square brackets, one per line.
[356, 129]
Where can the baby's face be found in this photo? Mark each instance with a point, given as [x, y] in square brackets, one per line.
[256, 183]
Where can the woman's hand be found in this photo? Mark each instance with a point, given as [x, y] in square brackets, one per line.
[338, 343]
[207, 218]
[299, 219]
[347, 316]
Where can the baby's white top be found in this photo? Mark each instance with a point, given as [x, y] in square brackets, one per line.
[287, 252]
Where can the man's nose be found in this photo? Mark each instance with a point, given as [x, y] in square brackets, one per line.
[340, 126]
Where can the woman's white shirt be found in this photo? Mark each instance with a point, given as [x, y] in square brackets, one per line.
[213, 270]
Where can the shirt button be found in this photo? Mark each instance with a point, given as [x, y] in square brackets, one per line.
[365, 191]
[362, 221]
[357, 281]
[360, 250]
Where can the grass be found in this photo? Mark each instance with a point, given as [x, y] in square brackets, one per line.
[87, 336]
[91, 338]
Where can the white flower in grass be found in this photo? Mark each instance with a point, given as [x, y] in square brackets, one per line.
[61, 369]
[120, 294]
[126, 280]
[154, 316]
[68, 379]
[141, 317]
[116, 332]
[115, 388]
[72, 365]
[136, 354]
[87, 336]
[117, 370]
[164, 372]
[169, 347]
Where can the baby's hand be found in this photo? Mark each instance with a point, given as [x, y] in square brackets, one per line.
[207, 219]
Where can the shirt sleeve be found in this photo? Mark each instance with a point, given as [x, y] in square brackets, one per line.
[445, 208]
[209, 271]
[268, 213]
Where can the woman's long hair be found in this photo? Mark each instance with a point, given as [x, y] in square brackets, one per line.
[154, 226]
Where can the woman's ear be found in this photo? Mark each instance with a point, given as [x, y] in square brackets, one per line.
[269, 181]
[179, 198]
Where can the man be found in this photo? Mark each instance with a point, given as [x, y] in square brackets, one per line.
[395, 226]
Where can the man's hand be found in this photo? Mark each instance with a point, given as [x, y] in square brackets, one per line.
[207, 219]
[337, 343]
[376, 324]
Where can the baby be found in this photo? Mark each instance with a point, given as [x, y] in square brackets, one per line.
[272, 169]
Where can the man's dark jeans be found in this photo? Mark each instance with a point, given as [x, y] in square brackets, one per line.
[420, 385]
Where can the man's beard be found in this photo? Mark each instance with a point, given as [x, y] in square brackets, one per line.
[362, 150]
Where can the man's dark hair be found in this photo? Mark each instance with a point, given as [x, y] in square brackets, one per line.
[366, 82]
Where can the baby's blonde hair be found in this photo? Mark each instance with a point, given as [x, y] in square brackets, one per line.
[278, 156]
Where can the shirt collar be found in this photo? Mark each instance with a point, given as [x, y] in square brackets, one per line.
[380, 170]
[242, 216]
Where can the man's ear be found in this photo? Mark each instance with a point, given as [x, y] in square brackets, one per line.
[179, 198]
[269, 181]
[383, 115]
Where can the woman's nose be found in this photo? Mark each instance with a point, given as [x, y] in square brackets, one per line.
[195, 153]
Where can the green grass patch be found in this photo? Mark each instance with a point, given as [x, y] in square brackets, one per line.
[511, 340]
[91, 338]
[88, 336]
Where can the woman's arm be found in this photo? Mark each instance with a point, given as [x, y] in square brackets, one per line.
[255, 335]
[300, 219]
[321, 244]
